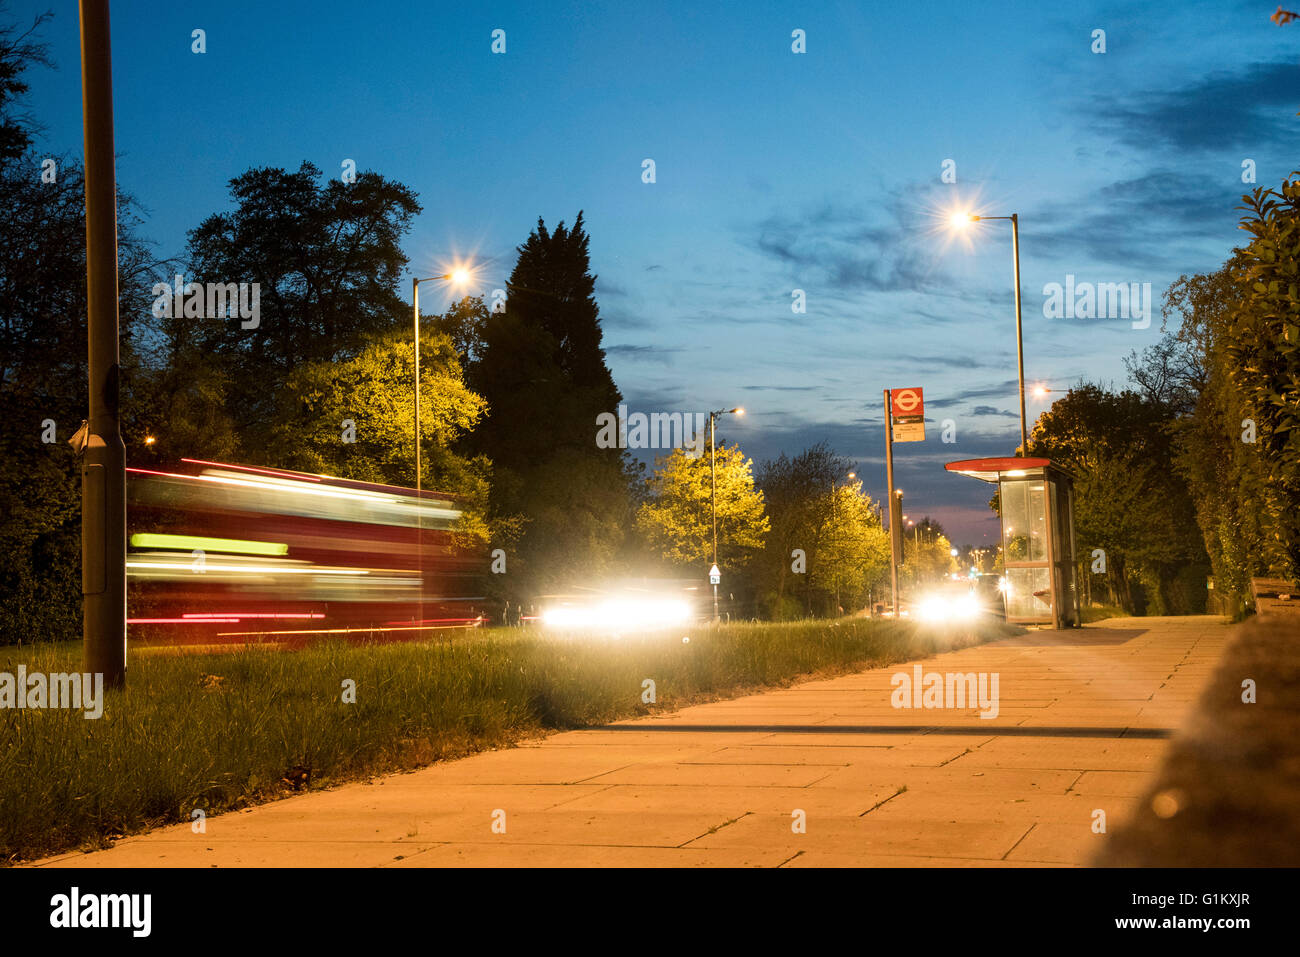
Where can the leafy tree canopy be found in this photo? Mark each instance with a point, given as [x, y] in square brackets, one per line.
[677, 519]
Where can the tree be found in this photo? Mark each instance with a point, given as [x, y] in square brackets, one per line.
[856, 547]
[1225, 475]
[819, 545]
[356, 419]
[43, 376]
[465, 323]
[540, 366]
[1128, 499]
[326, 260]
[1262, 348]
[677, 518]
[18, 52]
[927, 555]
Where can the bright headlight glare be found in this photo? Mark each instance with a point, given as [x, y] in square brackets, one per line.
[619, 614]
[934, 609]
[943, 608]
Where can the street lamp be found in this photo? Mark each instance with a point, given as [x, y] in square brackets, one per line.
[713, 493]
[897, 550]
[960, 220]
[459, 276]
[851, 476]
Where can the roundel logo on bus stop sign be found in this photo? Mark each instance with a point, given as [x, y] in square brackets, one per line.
[907, 402]
[908, 413]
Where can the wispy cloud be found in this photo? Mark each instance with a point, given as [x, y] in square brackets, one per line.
[842, 246]
[998, 391]
[1142, 223]
[660, 354]
[1243, 108]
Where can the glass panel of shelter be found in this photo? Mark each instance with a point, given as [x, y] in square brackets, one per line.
[1026, 547]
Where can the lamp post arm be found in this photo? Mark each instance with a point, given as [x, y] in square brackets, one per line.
[416, 297]
[1020, 348]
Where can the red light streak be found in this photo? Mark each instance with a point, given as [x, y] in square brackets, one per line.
[337, 631]
[274, 473]
[181, 621]
[237, 615]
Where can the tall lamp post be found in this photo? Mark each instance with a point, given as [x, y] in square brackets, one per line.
[962, 219]
[459, 277]
[103, 466]
[713, 493]
[896, 550]
[851, 476]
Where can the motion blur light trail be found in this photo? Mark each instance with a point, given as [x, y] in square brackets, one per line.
[219, 544]
[189, 542]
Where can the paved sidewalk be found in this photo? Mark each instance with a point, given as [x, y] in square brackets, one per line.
[1083, 722]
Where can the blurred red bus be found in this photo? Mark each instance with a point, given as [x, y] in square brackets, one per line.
[230, 554]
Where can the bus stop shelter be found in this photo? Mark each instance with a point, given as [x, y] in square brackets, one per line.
[1037, 513]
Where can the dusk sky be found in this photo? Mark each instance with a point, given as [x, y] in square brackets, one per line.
[775, 171]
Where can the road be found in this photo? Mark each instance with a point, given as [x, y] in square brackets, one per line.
[1083, 719]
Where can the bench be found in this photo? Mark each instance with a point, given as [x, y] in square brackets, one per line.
[1276, 598]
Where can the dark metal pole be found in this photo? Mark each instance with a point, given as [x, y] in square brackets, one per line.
[416, 297]
[836, 579]
[1020, 351]
[419, 501]
[895, 534]
[713, 503]
[103, 465]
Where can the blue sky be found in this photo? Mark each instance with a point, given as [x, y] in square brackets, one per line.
[775, 171]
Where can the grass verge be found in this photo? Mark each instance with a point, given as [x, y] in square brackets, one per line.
[218, 732]
[1091, 613]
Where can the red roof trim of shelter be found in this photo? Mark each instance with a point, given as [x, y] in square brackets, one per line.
[988, 470]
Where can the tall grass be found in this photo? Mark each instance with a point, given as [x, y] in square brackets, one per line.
[1091, 613]
[220, 731]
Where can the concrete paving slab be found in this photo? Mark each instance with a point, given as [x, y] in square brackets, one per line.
[1059, 843]
[488, 854]
[1129, 784]
[252, 853]
[718, 775]
[983, 840]
[834, 802]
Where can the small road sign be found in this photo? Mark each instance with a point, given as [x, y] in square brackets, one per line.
[715, 576]
[908, 409]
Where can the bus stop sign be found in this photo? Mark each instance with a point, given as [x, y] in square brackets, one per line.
[908, 409]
